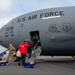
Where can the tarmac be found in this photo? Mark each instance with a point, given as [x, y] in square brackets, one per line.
[44, 66]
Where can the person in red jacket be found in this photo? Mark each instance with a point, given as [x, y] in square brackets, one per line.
[23, 47]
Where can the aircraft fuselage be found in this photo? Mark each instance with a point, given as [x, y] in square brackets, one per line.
[55, 28]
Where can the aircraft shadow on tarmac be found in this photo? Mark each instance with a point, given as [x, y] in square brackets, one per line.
[56, 60]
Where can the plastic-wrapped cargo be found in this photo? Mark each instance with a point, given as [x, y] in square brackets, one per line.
[28, 65]
[3, 63]
[2, 54]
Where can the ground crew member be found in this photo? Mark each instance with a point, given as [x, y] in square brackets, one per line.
[11, 51]
[24, 50]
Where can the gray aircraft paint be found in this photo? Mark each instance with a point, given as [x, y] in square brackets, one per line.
[56, 28]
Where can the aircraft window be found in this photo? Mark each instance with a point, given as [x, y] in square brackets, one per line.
[11, 21]
[52, 28]
[67, 27]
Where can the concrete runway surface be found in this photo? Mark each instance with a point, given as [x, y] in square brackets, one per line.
[44, 66]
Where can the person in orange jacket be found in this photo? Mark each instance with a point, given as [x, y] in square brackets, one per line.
[23, 47]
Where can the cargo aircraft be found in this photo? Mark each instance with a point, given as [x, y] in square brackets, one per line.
[54, 26]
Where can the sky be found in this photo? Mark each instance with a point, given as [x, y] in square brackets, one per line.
[10, 9]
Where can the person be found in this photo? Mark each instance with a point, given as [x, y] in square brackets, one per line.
[30, 48]
[11, 52]
[23, 47]
[35, 39]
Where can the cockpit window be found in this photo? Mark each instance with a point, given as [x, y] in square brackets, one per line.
[11, 22]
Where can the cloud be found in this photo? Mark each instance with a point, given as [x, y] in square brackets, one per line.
[5, 5]
[12, 8]
[29, 6]
[43, 4]
[4, 21]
